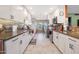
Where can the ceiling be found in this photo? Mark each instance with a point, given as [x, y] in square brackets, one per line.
[40, 11]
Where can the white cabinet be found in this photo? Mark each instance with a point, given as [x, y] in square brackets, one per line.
[12, 45]
[17, 44]
[68, 46]
[62, 42]
[65, 43]
[73, 45]
[55, 37]
[24, 41]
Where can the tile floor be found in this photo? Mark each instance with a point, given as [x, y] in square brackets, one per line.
[43, 46]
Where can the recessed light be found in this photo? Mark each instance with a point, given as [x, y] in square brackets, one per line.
[19, 8]
[45, 13]
[51, 8]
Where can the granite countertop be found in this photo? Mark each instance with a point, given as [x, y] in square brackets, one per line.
[5, 35]
[69, 33]
[73, 34]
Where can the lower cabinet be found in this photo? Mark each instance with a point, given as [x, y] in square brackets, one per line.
[55, 38]
[72, 45]
[62, 42]
[12, 46]
[69, 46]
[17, 44]
[65, 43]
[24, 41]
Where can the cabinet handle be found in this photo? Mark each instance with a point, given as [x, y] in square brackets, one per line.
[20, 41]
[71, 46]
[14, 39]
[57, 37]
[71, 39]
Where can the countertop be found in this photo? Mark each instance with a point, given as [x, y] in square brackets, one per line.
[71, 34]
[5, 35]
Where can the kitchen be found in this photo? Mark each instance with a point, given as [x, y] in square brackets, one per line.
[20, 25]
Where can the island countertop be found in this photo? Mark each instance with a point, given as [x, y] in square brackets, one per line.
[8, 35]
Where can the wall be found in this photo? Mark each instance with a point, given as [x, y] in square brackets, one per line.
[18, 13]
[50, 18]
[72, 9]
[15, 10]
[60, 19]
[5, 11]
[74, 19]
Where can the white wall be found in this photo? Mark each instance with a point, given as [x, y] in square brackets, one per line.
[17, 11]
[5, 11]
[50, 17]
[60, 19]
[28, 20]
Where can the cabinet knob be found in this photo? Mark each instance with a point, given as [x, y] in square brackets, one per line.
[71, 46]
[57, 37]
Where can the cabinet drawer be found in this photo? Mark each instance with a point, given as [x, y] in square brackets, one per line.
[74, 40]
[73, 46]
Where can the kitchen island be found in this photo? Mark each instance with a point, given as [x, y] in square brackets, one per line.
[14, 42]
[66, 42]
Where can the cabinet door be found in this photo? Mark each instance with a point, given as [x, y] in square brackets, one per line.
[12, 46]
[74, 44]
[76, 49]
[62, 42]
[56, 38]
[70, 45]
[23, 43]
[27, 38]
